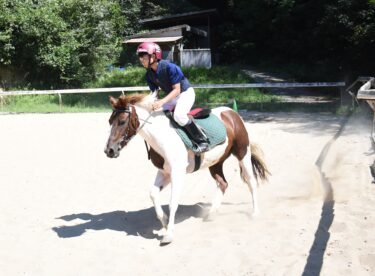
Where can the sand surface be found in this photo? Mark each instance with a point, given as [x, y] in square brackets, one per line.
[67, 209]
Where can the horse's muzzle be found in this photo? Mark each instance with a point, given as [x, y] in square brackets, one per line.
[112, 153]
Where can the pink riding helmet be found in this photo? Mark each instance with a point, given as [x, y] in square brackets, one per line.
[150, 48]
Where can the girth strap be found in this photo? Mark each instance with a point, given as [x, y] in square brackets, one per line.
[197, 162]
[148, 151]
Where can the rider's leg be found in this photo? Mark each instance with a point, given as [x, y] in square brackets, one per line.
[198, 136]
[183, 106]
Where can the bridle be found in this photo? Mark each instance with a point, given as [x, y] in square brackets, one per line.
[129, 126]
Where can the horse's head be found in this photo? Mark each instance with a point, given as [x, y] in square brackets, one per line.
[124, 124]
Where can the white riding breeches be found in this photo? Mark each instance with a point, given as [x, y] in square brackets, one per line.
[182, 105]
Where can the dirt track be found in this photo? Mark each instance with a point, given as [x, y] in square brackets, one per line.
[66, 209]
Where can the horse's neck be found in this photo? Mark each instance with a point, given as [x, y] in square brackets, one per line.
[152, 124]
[145, 114]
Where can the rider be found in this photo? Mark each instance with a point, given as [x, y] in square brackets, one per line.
[180, 95]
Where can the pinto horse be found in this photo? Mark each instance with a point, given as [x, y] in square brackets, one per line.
[133, 115]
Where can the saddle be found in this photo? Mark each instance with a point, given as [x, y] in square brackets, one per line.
[211, 125]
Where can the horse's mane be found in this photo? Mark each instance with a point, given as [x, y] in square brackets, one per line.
[139, 99]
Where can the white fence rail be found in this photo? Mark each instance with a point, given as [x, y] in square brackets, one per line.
[145, 88]
[197, 86]
[367, 91]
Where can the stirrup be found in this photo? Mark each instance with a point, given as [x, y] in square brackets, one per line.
[203, 147]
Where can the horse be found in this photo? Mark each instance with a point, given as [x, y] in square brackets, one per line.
[133, 114]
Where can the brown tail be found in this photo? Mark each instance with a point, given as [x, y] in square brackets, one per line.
[259, 167]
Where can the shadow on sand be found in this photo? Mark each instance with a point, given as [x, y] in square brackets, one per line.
[314, 262]
[135, 223]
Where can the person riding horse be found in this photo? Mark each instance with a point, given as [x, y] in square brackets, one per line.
[167, 76]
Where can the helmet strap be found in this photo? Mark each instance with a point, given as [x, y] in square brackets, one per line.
[149, 61]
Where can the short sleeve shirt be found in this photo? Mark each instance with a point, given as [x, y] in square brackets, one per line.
[166, 75]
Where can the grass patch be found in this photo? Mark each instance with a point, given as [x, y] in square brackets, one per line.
[97, 102]
[213, 97]
[132, 76]
[135, 76]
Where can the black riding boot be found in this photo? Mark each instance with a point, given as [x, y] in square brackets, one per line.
[198, 136]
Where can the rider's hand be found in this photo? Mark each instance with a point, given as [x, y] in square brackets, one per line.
[157, 105]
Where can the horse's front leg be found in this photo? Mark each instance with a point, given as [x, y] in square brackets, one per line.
[162, 179]
[177, 178]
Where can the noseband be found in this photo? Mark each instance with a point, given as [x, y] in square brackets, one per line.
[129, 125]
[136, 129]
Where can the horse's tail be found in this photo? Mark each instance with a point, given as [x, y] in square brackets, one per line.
[259, 166]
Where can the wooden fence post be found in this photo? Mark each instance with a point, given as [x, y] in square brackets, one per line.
[60, 101]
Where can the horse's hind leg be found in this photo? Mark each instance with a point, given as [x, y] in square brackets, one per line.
[217, 173]
[161, 181]
[248, 177]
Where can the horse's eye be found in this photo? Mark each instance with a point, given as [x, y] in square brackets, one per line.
[121, 123]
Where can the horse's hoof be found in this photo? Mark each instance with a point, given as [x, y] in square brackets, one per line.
[167, 239]
[209, 217]
[160, 232]
[255, 214]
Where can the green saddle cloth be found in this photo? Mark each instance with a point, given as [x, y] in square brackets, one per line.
[212, 126]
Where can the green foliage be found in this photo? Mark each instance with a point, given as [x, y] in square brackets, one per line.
[216, 75]
[68, 43]
[131, 76]
[130, 10]
[153, 8]
[213, 97]
[135, 76]
[7, 20]
[221, 75]
[60, 42]
[333, 37]
[50, 103]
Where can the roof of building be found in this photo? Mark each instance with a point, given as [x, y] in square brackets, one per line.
[153, 39]
[180, 16]
[162, 34]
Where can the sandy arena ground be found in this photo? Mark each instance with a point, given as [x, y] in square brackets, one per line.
[67, 209]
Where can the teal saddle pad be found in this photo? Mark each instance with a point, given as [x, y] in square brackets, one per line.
[212, 126]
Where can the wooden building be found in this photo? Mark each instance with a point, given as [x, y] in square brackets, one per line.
[185, 39]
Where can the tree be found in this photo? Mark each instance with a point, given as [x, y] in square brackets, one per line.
[60, 42]
[334, 34]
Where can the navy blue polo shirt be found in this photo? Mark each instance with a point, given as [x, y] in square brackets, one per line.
[166, 75]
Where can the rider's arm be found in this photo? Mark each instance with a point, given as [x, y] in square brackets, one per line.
[173, 94]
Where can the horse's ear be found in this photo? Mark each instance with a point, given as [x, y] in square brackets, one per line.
[113, 101]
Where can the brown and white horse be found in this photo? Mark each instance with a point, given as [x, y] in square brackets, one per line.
[133, 114]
